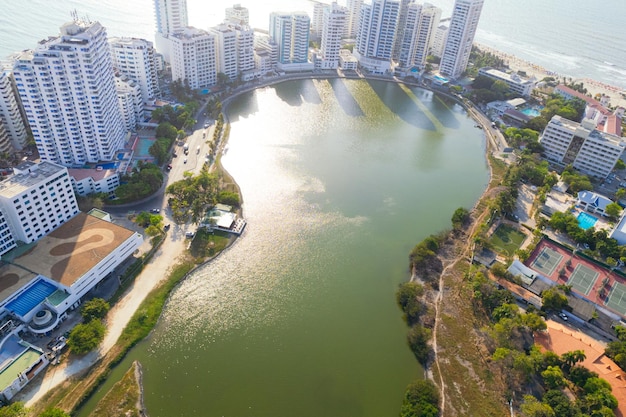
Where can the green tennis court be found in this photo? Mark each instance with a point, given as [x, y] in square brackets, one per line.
[583, 279]
[617, 298]
[547, 261]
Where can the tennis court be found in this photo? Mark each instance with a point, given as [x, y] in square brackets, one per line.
[546, 261]
[583, 279]
[617, 298]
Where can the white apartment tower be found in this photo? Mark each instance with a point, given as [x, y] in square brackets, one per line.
[67, 89]
[238, 15]
[402, 17]
[428, 23]
[135, 58]
[465, 17]
[193, 57]
[317, 23]
[234, 49]
[10, 114]
[130, 101]
[36, 200]
[440, 36]
[290, 31]
[335, 17]
[376, 35]
[408, 37]
[171, 17]
[352, 24]
[583, 146]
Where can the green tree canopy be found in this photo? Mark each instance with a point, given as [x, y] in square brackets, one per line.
[94, 309]
[421, 399]
[86, 336]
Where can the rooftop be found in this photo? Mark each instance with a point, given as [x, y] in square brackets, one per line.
[12, 278]
[26, 175]
[20, 364]
[97, 174]
[73, 249]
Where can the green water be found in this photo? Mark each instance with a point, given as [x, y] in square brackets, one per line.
[340, 179]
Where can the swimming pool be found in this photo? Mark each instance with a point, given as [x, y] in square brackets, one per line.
[586, 221]
[142, 147]
[533, 111]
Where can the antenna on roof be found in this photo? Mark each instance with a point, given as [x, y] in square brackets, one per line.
[74, 14]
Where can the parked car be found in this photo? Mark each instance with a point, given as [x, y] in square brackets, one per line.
[166, 227]
[189, 235]
[155, 210]
[169, 167]
[563, 316]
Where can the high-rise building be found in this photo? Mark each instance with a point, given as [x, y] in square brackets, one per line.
[67, 88]
[135, 58]
[171, 17]
[352, 24]
[193, 58]
[376, 35]
[465, 17]
[317, 22]
[234, 49]
[5, 141]
[335, 17]
[402, 16]
[130, 101]
[440, 36]
[408, 36]
[238, 15]
[37, 199]
[587, 149]
[10, 114]
[290, 31]
[428, 23]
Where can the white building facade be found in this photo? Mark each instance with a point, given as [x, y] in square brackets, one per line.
[354, 12]
[130, 101]
[234, 49]
[428, 23]
[515, 83]
[588, 150]
[290, 31]
[171, 17]
[463, 25]
[376, 34]
[67, 89]
[193, 58]
[238, 15]
[334, 23]
[37, 199]
[440, 36]
[10, 115]
[136, 58]
[93, 181]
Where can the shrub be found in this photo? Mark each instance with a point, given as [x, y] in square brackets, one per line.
[86, 336]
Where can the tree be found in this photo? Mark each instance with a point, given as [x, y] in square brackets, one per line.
[15, 409]
[553, 299]
[86, 336]
[531, 407]
[613, 210]
[94, 309]
[421, 399]
[54, 412]
[460, 218]
[620, 193]
[619, 165]
[418, 338]
[407, 298]
[229, 198]
[553, 377]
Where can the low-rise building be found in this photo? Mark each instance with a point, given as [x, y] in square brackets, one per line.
[619, 231]
[347, 61]
[592, 202]
[587, 149]
[91, 181]
[516, 84]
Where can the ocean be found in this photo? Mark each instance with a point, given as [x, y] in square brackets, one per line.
[578, 38]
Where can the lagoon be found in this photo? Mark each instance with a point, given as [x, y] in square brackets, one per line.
[340, 180]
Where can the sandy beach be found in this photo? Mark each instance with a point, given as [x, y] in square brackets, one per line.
[593, 87]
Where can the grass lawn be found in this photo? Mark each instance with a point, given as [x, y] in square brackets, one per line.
[507, 240]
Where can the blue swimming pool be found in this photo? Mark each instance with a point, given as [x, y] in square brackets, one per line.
[109, 165]
[31, 298]
[532, 111]
[586, 221]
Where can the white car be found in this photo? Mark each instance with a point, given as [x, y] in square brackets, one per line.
[563, 316]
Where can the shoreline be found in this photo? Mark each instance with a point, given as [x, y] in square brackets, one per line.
[119, 316]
